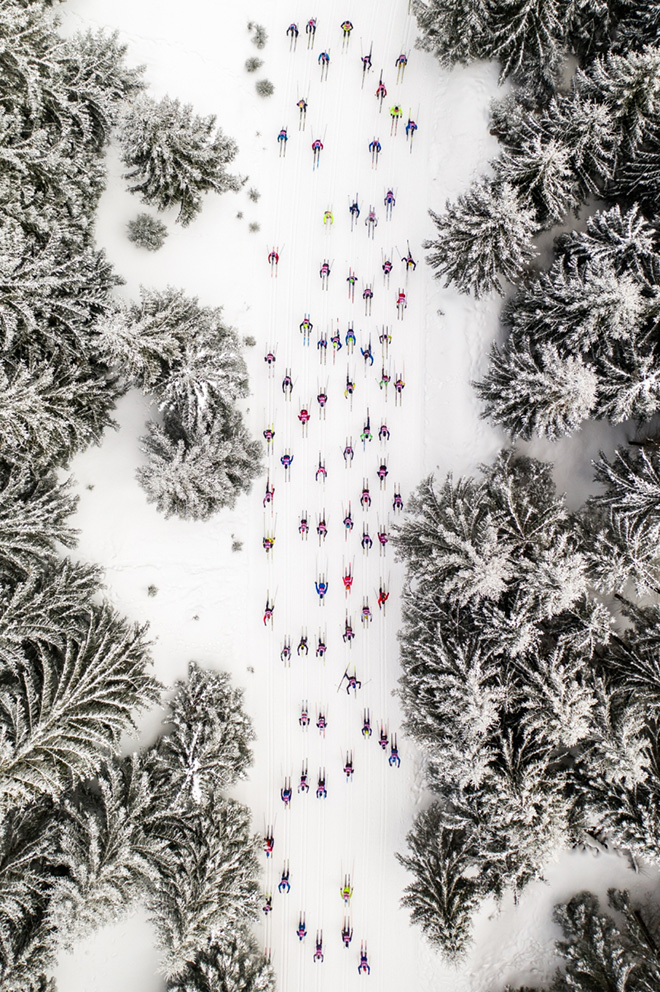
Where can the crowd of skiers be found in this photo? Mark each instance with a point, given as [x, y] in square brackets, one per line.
[372, 535]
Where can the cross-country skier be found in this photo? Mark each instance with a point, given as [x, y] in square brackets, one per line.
[322, 346]
[396, 111]
[302, 107]
[350, 337]
[387, 267]
[328, 218]
[322, 530]
[348, 767]
[284, 885]
[269, 843]
[348, 580]
[270, 358]
[365, 615]
[287, 384]
[303, 647]
[383, 739]
[366, 434]
[304, 416]
[285, 653]
[383, 433]
[346, 934]
[306, 326]
[371, 219]
[273, 257]
[382, 472]
[292, 30]
[348, 454]
[381, 91]
[268, 612]
[389, 200]
[321, 470]
[401, 299]
[348, 522]
[348, 634]
[346, 891]
[285, 794]
[383, 597]
[287, 460]
[335, 341]
[397, 502]
[317, 148]
[352, 682]
[282, 136]
[269, 434]
[347, 27]
[310, 27]
[321, 723]
[321, 791]
[383, 538]
[367, 293]
[354, 210]
[268, 905]
[366, 63]
[303, 526]
[301, 932]
[384, 378]
[375, 146]
[323, 59]
[365, 498]
[410, 261]
[303, 719]
[324, 271]
[401, 61]
[322, 398]
[321, 588]
[394, 758]
[366, 541]
[268, 543]
[350, 387]
[366, 725]
[411, 127]
[367, 354]
[304, 784]
[399, 384]
[318, 952]
[364, 967]
[321, 648]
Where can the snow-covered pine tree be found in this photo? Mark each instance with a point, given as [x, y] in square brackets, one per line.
[590, 26]
[209, 886]
[639, 25]
[445, 891]
[198, 467]
[28, 860]
[105, 857]
[33, 520]
[558, 699]
[486, 234]
[206, 746]
[629, 380]
[535, 390]
[617, 554]
[638, 174]
[147, 232]
[234, 965]
[63, 712]
[455, 30]
[542, 174]
[622, 240]
[174, 156]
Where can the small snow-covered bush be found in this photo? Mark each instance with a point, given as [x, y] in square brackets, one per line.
[147, 232]
[254, 227]
[264, 87]
[253, 194]
[259, 35]
[252, 64]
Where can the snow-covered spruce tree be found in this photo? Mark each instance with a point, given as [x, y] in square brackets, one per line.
[601, 954]
[147, 232]
[46, 607]
[198, 467]
[174, 156]
[558, 702]
[617, 553]
[206, 746]
[34, 516]
[526, 41]
[61, 717]
[455, 30]
[208, 886]
[536, 390]
[485, 235]
[105, 857]
[629, 86]
[639, 25]
[28, 860]
[621, 240]
[444, 893]
[235, 965]
[631, 483]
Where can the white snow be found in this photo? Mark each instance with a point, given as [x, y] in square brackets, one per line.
[210, 600]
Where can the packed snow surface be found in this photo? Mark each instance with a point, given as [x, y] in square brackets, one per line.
[210, 601]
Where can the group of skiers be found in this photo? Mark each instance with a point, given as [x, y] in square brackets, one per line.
[336, 340]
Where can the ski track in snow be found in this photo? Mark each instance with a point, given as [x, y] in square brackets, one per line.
[210, 601]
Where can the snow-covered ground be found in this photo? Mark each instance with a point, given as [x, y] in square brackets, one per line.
[210, 599]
